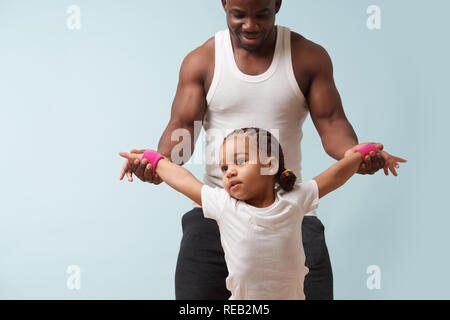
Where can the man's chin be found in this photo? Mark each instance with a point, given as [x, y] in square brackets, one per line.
[250, 46]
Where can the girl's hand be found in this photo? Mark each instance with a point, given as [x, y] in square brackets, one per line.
[127, 168]
[377, 160]
[391, 163]
[131, 156]
[140, 167]
[372, 162]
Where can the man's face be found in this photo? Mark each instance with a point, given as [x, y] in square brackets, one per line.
[251, 21]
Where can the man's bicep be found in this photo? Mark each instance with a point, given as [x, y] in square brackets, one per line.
[190, 100]
[188, 106]
[324, 101]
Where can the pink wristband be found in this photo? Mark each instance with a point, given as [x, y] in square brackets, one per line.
[153, 158]
[365, 150]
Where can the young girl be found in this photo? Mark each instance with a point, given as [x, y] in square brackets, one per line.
[260, 209]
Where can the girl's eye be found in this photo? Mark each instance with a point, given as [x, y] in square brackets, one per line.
[224, 168]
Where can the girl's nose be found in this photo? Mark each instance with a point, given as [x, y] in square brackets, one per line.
[231, 172]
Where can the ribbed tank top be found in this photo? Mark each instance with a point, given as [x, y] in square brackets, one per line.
[271, 100]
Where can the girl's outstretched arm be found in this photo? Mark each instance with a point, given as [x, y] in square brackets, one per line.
[338, 174]
[335, 176]
[175, 176]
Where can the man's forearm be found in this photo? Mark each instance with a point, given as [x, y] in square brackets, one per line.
[166, 144]
[338, 137]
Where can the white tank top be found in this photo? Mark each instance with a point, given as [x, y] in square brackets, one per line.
[271, 100]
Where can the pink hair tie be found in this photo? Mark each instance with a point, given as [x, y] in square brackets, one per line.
[286, 172]
[365, 150]
[153, 158]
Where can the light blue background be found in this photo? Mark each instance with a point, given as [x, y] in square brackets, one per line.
[71, 99]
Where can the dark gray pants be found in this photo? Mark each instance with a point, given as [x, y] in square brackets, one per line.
[201, 268]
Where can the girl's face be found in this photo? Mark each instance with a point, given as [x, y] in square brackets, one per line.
[241, 168]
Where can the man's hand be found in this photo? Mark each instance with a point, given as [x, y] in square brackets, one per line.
[377, 160]
[140, 167]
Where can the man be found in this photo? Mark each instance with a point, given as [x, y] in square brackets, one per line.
[255, 74]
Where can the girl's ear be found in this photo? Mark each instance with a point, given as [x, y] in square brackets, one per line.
[271, 166]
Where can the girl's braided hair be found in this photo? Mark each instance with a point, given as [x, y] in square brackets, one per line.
[285, 178]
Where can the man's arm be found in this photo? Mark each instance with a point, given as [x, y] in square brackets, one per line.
[189, 103]
[188, 106]
[326, 109]
[328, 115]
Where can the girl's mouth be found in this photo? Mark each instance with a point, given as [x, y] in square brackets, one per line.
[234, 186]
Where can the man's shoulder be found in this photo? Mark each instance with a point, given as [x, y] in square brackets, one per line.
[200, 60]
[205, 49]
[307, 52]
[202, 53]
[305, 45]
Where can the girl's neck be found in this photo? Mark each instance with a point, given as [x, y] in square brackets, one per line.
[265, 200]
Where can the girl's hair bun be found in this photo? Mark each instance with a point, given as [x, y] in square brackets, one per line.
[287, 179]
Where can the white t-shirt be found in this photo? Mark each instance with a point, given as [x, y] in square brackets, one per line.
[263, 246]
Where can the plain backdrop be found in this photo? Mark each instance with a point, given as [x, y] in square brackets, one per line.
[71, 99]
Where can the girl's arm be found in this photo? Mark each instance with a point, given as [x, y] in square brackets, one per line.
[338, 174]
[175, 176]
[344, 169]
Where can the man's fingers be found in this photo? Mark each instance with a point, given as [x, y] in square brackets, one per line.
[362, 168]
[148, 173]
[130, 176]
[371, 161]
[134, 165]
[378, 162]
[158, 180]
[140, 169]
[368, 162]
